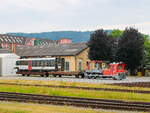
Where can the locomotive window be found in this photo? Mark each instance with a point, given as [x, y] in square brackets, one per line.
[120, 67]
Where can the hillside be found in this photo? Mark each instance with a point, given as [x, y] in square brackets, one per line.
[76, 36]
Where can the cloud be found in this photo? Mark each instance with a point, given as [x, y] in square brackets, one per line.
[38, 5]
[51, 15]
[142, 27]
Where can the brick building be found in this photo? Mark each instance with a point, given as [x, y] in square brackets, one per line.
[64, 41]
[11, 42]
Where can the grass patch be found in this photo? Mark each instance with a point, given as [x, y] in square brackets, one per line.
[13, 107]
[76, 93]
[74, 84]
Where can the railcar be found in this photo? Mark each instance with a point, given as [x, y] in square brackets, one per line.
[39, 65]
[44, 67]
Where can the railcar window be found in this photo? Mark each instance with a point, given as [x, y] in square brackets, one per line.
[42, 62]
[33, 63]
[59, 61]
[38, 63]
[26, 62]
[46, 62]
[21, 62]
[18, 63]
[52, 63]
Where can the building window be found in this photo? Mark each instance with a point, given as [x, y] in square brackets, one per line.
[80, 65]
[67, 66]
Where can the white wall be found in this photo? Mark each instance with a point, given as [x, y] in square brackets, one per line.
[8, 64]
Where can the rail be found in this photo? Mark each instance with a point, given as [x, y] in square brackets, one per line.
[75, 101]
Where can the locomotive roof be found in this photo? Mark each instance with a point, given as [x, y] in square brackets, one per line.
[52, 50]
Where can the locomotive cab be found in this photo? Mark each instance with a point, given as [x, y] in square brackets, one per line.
[116, 71]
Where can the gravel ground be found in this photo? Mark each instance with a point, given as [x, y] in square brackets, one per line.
[73, 79]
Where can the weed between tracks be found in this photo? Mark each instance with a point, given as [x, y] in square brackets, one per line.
[76, 93]
[13, 107]
[73, 84]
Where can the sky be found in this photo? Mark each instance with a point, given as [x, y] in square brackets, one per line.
[78, 15]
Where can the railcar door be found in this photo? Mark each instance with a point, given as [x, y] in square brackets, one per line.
[29, 65]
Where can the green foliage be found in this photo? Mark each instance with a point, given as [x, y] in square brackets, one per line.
[101, 46]
[116, 33]
[147, 48]
[131, 48]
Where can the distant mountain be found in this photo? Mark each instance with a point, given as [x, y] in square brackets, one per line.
[76, 36]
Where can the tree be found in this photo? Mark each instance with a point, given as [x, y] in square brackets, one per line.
[116, 33]
[101, 46]
[131, 49]
[147, 49]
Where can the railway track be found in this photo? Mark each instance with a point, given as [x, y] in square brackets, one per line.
[84, 88]
[135, 84]
[75, 101]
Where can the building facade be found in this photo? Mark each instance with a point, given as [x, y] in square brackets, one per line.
[11, 42]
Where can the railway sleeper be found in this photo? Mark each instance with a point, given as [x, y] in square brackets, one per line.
[80, 104]
[78, 101]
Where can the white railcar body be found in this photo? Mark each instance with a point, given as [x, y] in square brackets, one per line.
[36, 64]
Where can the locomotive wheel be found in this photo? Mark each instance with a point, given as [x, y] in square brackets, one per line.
[89, 77]
[28, 75]
[82, 76]
[23, 74]
[94, 77]
[47, 75]
[54, 75]
[77, 76]
[42, 75]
